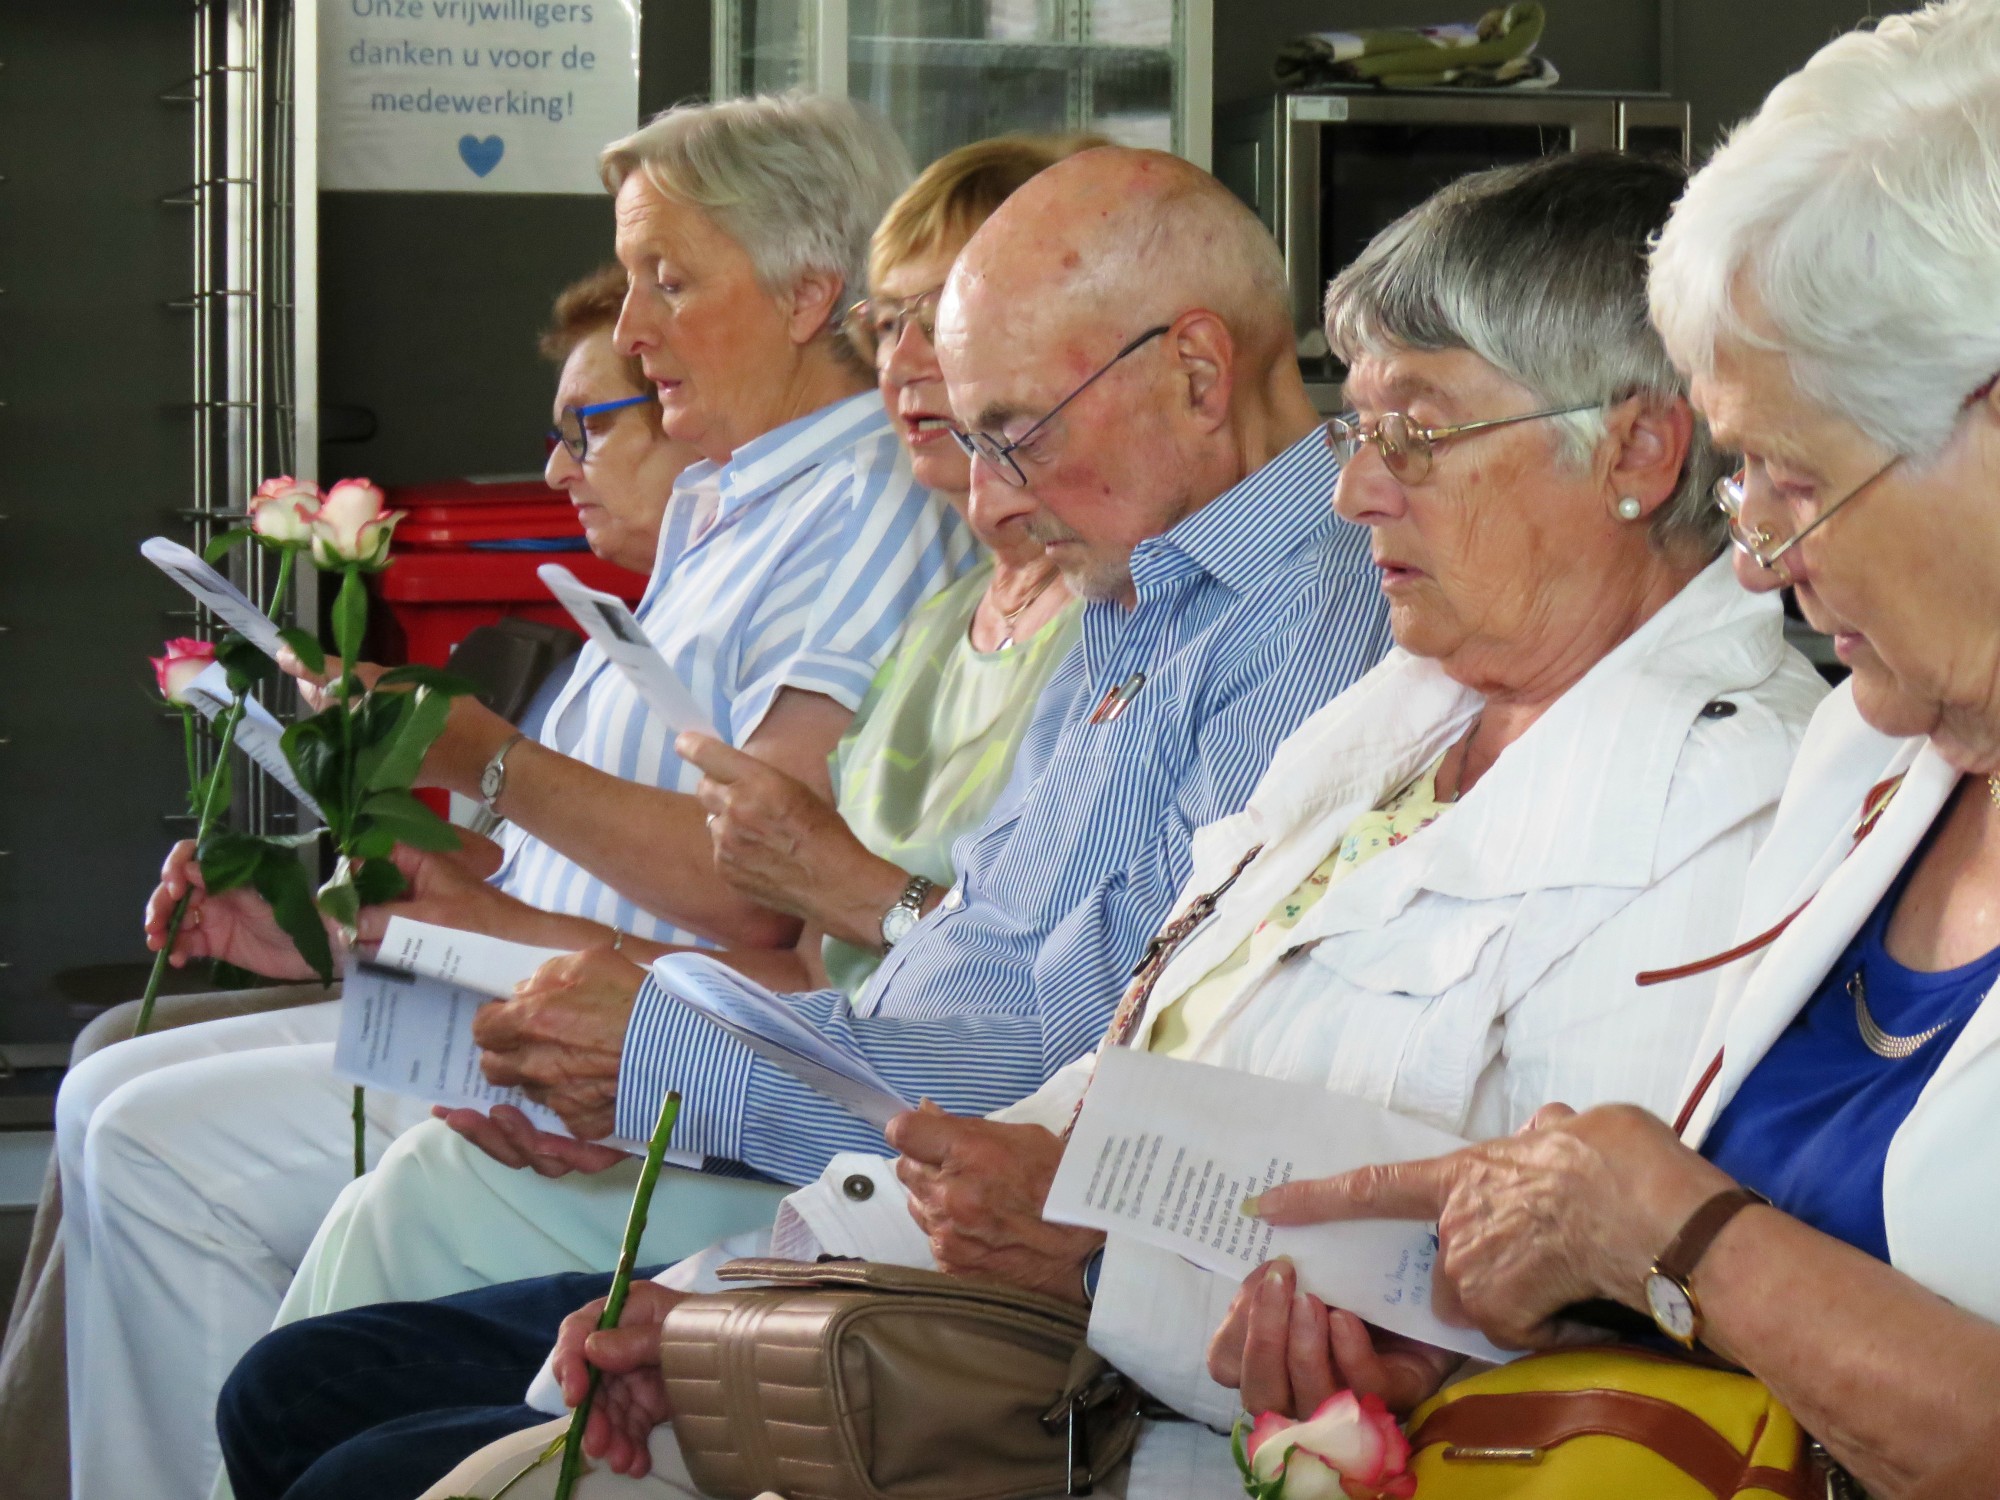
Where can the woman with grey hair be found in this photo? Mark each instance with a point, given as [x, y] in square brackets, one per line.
[1824, 1213]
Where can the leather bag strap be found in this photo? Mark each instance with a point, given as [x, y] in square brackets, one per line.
[1545, 1419]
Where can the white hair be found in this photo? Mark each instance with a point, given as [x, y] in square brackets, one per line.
[798, 180]
[1853, 226]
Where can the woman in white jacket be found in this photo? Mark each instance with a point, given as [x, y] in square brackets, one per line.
[1443, 886]
[1832, 279]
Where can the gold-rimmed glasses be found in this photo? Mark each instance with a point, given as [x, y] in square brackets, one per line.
[876, 323]
[999, 454]
[1763, 546]
[1407, 446]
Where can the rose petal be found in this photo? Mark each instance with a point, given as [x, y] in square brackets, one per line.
[1306, 1478]
[1266, 1427]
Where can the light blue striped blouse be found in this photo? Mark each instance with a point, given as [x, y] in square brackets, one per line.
[1252, 613]
[793, 565]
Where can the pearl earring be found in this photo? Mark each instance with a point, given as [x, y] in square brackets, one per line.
[1628, 509]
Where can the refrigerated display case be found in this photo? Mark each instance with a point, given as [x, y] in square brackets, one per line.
[947, 72]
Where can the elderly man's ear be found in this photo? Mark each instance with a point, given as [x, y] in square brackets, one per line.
[1646, 445]
[1207, 357]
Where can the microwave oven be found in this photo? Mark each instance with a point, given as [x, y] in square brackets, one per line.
[1328, 171]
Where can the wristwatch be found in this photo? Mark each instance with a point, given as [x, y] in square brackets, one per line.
[1668, 1296]
[900, 918]
[493, 779]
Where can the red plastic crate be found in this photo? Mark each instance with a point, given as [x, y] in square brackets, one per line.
[435, 599]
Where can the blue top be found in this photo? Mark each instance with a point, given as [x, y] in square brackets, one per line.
[791, 566]
[1252, 612]
[1811, 1125]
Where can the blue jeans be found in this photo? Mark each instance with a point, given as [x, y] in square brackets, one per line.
[384, 1401]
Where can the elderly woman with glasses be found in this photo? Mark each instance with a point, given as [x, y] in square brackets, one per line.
[1824, 1212]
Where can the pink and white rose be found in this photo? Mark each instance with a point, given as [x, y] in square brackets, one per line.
[353, 526]
[186, 659]
[1350, 1449]
[282, 510]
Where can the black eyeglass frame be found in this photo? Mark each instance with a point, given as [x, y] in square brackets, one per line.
[999, 456]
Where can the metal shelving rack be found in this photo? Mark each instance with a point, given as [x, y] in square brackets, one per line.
[252, 299]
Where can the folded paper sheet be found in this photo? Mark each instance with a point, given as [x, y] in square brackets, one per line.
[616, 631]
[406, 1020]
[1166, 1151]
[230, 604]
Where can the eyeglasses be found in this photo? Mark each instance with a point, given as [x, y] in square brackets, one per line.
[1761, 544]
[573, 435]
[1767, 548]
[1406, 448]
[875, 325]
[999, 455]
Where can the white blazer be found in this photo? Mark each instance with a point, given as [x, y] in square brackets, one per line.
[1466, 976]
[1941, 1186]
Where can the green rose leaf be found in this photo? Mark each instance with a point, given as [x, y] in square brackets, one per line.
[377, 881]
[306, 648]
[404, 755]
[338, 900]
[228, 859]
[243, 662]
[314, 750]
[221, 546]
[282, 881]
[437, 679]
[409, 821]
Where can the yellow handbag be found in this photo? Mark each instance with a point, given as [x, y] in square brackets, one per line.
[1603, 1423]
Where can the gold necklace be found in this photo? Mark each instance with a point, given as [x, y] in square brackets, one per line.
[1993, 789]
[1885, 1044]
[1008, 617]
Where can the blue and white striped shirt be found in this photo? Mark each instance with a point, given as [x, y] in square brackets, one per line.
[791, 566]
[1251, 614]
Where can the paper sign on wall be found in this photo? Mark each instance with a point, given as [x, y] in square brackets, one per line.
[474, 96]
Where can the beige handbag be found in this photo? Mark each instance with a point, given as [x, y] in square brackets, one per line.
[852, 1380]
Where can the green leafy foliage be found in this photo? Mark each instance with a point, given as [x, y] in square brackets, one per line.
[271, 866]
[437, 679]
[402, 753]
[377, 881]
[244, 663]
[306, 648]
[222, 545]
[339, 899]
[410, 821]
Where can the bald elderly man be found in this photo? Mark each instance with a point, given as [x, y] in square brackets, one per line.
[1117, 342]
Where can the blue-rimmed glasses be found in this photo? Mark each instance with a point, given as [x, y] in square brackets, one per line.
[570, 430]
[999, 455]
[1406, 447]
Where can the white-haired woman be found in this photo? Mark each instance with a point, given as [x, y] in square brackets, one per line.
[1832, 280]
[197, 1163]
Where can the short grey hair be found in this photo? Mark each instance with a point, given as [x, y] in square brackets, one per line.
[798, 180]
[1855, 219]
[1540, 270]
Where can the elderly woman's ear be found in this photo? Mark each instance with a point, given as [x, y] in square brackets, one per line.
[814, 302]
[1644, 452]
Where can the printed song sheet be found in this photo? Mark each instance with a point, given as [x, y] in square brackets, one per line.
[259, 734]
[406, 1026]
[768, 1027]
[618, 634]
[229, 603]
[1166, 1151]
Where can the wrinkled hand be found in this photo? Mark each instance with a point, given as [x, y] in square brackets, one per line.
[561, 1037]
[445, 890]
[776, 840]
[1574, 1206]
[1287, 1351]
[976, 1190]
[632, 1395]
[235, 926]
[507, 1136]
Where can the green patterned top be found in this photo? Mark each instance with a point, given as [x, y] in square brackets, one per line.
[932, 743]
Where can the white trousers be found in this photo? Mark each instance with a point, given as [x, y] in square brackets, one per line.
[496, 1463]
[437, 1215]
[196, 1164]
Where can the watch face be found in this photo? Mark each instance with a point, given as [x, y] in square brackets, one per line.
[491, 780]
[896, 924]
[1671, 1307]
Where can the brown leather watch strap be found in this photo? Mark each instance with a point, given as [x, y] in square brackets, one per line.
[1680, 1258]
[1520, 1428]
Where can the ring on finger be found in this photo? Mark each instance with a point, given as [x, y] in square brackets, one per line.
[710, 820]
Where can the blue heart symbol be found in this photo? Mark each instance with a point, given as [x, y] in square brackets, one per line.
[481, 156]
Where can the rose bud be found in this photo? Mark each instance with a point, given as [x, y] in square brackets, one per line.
[282, 510]
[1351, 1447]
[353, 526]
[186, 659]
